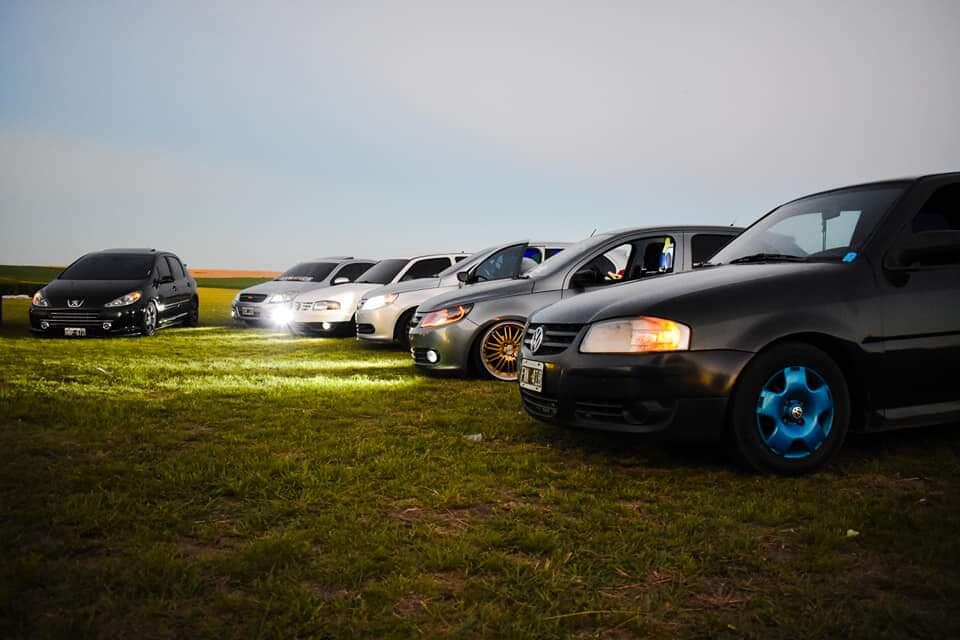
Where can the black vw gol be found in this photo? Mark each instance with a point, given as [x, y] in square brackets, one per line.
[116, 292]
[837, 311]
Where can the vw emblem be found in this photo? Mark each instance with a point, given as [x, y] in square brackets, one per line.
[797, 413]
[73, 304]
[536, 340]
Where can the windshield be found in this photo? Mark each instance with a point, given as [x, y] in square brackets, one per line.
[467, 263]
[568, 256]
[384, 271]
[824, 227]
[308, 272]
[110, 266]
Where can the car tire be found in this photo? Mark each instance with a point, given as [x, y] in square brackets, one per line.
[401, 332]
[790, 410]
[149, 319]
[497, 352]
[193, 318]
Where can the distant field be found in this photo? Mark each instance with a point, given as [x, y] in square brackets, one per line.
[222, 483]
[14, 275]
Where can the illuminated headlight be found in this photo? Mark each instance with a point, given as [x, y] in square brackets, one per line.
[326, 305]
[123, 301]
[636, 335]
[282, 315]
[443, 317]
[39, 300]
[378, 302]
[280, 297]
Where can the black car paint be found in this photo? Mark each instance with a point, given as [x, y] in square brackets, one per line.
[174, 299]
[894, 333]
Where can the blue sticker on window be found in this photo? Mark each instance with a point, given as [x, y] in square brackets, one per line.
[850, 257]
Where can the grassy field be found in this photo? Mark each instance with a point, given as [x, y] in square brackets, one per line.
[238, 483]
[31, 275]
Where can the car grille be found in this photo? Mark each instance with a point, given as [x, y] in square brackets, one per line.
[252, 297]
[556, 337]
[302, 306]
[539, 405]
[365, 328]
[74, 317]
[600, 410]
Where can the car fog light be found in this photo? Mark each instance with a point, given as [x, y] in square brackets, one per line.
[432, 356]
[107, 325]
[44, 325]
[326, 326]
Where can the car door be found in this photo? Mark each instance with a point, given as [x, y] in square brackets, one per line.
[921, 310]
[166, 289]
[182, 287]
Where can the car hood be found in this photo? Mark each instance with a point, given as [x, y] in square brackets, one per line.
[419, 284]
[336, 292]
[281, 286]
[479, 292]
[681, 291]
[94, 293]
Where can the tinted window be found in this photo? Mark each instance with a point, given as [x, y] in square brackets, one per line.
[941, 212]
[503, 264]
[308, 272]
[459, 258]
[426, 268]
[552, 252]
[533, 253]
[823, 227]
[705, 245]
[176, 269]
[110, 266]
[163, 269]
[353, 271]
[384, 271]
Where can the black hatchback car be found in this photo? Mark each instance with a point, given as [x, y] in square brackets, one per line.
[118, 291]
[837, 311]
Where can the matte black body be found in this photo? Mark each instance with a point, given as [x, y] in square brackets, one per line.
[894, 333]
[174, 301]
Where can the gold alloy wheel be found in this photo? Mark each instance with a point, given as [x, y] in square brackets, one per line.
[500, 349]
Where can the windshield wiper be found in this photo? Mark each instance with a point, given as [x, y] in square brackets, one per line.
[768, 257]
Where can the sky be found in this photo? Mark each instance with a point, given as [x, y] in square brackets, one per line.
[258, 134]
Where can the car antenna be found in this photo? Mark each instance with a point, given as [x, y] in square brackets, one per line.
[593, 233]
[734, 223]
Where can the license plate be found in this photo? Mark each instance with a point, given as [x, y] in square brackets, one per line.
[531, 375]
[248, 312]
[77, 332]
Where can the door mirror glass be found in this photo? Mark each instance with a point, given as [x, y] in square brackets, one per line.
[464, 277]
[585, 277]
[927, 249]
[341, 280]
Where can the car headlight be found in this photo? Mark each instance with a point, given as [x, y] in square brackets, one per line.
[39, 300]
[377, 302]
[443, 317]
[326, 305]
[636, 335]
[123, 301]
[280, 297]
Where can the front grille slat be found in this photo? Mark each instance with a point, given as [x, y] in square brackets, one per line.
[253, 297]
[539, 405]
[556, 337]
[365, 328]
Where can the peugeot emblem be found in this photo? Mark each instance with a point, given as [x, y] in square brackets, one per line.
[73, 304]
[536, 340]
[797, 413]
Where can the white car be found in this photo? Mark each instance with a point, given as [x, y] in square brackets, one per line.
[384, 314]
[268, 304]
[329, 311]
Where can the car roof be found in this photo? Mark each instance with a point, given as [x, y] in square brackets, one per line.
[880, 183]
[682, 228]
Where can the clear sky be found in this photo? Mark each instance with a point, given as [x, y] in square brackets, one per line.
[256, 134]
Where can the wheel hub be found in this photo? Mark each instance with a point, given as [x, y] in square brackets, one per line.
[795, 412]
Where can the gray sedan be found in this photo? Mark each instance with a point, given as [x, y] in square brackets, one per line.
[479, 329]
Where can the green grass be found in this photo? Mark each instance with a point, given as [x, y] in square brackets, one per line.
[222, 483]
[30, 275]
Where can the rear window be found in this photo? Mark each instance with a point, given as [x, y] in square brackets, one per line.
[110, 266]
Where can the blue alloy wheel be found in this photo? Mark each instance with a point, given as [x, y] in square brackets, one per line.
[795, 412]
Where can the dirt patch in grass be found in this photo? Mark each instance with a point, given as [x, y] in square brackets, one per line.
[444, 521]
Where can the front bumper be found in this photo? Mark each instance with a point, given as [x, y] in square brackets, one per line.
[378, 325]
[261, 314]
[96, 321]
[451, 344]
[682, 395]
[323, 329]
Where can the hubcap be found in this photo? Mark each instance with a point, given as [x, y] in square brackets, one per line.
[150, 316]
[499, 350]
[795, 412]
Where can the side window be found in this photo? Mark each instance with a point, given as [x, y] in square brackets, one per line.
[176, 269]
[652, 256]
[502, 264]
[533, 253]
[426, 268]
[552, 252]
[459, 258]
[606, 268]
[352, 271]
[705, 245]
[941, 212]
[162, 268]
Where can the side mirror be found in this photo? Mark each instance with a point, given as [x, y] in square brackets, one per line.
[464, 277]
[341, 280]
[584, 277]
[925, 249]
